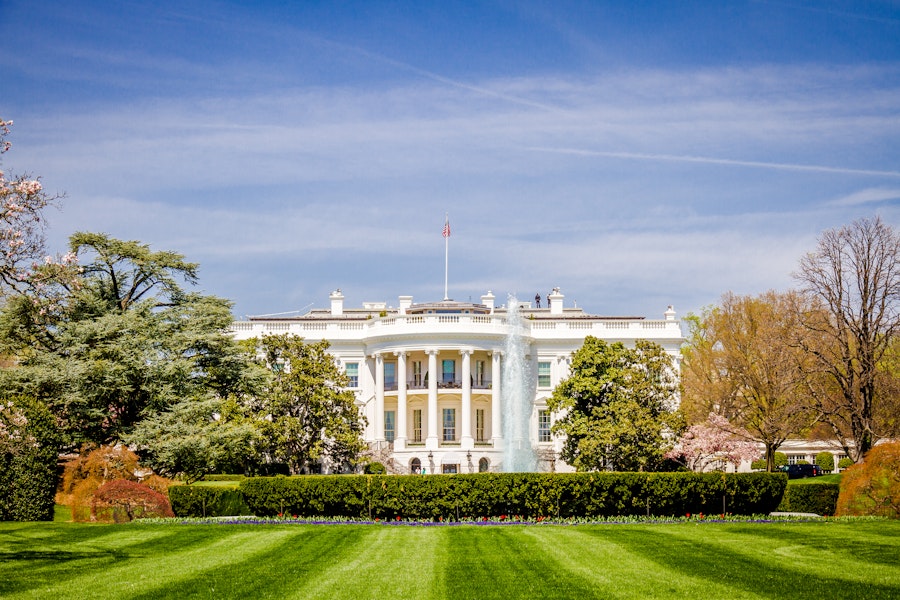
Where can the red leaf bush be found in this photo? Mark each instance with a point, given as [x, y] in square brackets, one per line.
[121, 501]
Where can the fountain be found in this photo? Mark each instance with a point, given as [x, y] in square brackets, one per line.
[516, 396]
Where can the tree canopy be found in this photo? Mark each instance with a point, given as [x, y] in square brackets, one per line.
[744, 362]
[309, 415]
[124, 343]
[618, 406]
[854, 277]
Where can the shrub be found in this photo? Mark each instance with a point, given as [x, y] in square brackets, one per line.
[525, 494]
[781, 459]
[374, 468]
[84, 474]
[122, 500]
[818, 498]
[845, 463]
[207, 501]
[29, 451]
[825, 461]
[758, 464]
[872, 487]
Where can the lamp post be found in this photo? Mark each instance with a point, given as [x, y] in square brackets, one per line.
[469, 458]
[431, 461]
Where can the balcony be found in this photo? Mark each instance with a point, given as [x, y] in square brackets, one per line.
[456, 384]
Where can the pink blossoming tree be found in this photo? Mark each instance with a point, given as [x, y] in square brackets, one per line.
[712, 444]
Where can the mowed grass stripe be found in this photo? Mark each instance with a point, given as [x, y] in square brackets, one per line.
[605, 559]
[130, 572]
[385, 562]
[749, 565]
[35, 556]
[293, 555]
[806, 547]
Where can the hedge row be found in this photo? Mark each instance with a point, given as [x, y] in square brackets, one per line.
[818, 498]
[207, 501]
[523, 494]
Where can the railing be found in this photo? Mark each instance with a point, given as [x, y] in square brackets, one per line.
[442, 323]
[484, 384]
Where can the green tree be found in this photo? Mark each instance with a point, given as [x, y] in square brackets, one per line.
[123, 342]
[197, 436]
[618, 406]
[743, 362]
[308, 415]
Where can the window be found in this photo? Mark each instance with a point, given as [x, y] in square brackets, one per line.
[449, 424]
[353, 374]
[544, 426]
[417, 373]
[544, 374]
[479, 424]
[449, 469]
[448, 368]
[390, 376]
[417, 425]
[389, 427]
[479, 373]
[415, 466]
[483, 465]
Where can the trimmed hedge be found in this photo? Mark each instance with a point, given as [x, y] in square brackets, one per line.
[207, 501]
[434, 497]
[28, 469]
[818, 498]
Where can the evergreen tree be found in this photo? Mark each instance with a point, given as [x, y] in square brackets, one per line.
[618, 407]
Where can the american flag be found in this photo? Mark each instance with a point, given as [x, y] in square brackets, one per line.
[446, 232]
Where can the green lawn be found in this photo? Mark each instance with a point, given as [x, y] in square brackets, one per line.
[830, 478]
[859, 559]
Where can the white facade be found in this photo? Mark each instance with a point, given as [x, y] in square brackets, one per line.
[428, 377]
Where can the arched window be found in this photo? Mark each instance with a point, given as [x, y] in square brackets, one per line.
[415, 466]
[483, 465]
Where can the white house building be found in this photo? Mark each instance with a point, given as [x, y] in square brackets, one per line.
[429, 377]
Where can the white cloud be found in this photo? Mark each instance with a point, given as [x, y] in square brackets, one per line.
[868, 196]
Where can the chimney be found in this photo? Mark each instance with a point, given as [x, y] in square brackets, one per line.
[670, 313]
[405, 303]
[488, 300]
[337, 303]
[556, 302]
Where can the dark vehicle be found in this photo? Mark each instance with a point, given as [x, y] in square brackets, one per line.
[801, 471]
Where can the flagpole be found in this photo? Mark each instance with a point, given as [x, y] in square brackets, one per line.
[446, 234]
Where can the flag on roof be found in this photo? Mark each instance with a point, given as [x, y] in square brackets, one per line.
[446, 232]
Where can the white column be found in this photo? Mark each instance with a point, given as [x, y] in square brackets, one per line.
[379, 397]
[466, 440]
[431, 441]
[496, 402]
[400, 438]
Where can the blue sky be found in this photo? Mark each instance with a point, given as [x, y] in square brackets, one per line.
[634, 154]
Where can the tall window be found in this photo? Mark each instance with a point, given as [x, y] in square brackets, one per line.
[479, 373]
[390, 376]
[544, 374]
[417, 373]
[479, 424]
[449, 424]
[389, 427]
[448, 368]
[483, 465]
[417, 425]
[353, 374]
[544, 426]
